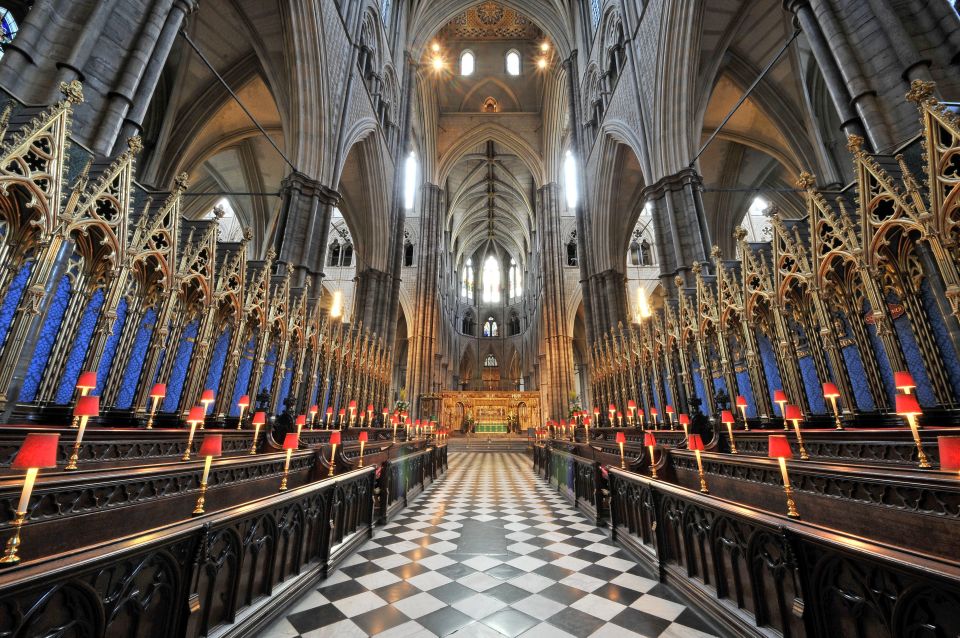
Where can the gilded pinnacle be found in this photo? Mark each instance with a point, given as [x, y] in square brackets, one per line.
[72, 91]
[182, 182]
[739, 233]
[805, 180]
[855, 144]
[715, 251]
[135, 144]
[921, 91]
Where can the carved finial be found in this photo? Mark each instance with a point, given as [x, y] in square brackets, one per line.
[921, 91]
[678, 280]
[907, 175]
[72, 91]
[181, 182]
[715, 252]
[218, 212]
[271, 254]
[5, 118]
[696, 268]
[855, 144]
[739, 233]
[135, 144]
[806, 180]
[84, 177]
[247, 233]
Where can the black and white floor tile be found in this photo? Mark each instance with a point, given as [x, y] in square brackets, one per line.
[490, 550]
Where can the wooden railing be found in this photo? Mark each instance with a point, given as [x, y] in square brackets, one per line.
[578, 478]
[219, 574]
[766, 575]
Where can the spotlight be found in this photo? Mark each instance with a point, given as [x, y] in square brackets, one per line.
[435, 47]
[542, 63]
[544, 46]
[438, 63]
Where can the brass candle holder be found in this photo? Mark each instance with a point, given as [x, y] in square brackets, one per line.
[795, 416]
[290, 443]
[334, 442]
[779, 448]
[243, 404]
[157, 394]
[726, 417]
[212, 446]
[742, 406]
[39, 451]
[86, 407]
[695, 443]
[650, 441]
[363, 442]
[195, 418]
[259, 419]
[909, 408]
[831, 392]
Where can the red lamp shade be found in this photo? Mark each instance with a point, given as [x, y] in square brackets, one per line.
[352, 405]
[159, 391]
[653, 412]
[417, 423]
[329, 412]
[301, 419]
[87, 380]
[649, 439]
[342, 412]
[726, 416]
[363, 438]
[37, 451]
[596, 410]
[207, 396]
[949, 452]
[563, 422]
[335, 437]
[212, 445]
[695, 442]
[314, 409]
[631, 405]
[903, 380]
[370, 408]
[291, 441]
[830, 390]
[778, 447]
[244, 401]
[385, 413]
[669, 409]
[742, 401]
[684, 419]
[793, 413]
[621, 437]
[907, 405]
[87, 406]
[619, 415]
[611, 408]
[259, 418]
[394, 420]
[197, 414]
[779, 396]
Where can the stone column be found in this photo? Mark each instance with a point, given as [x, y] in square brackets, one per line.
[557, 382]
[304, 227]
[423, 339]
[681, 227]
[849, 120]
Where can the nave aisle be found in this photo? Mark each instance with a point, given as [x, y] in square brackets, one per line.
[490, 550]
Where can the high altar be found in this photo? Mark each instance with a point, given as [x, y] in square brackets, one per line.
[491, 411]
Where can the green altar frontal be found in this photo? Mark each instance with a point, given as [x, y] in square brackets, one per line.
[491, 428]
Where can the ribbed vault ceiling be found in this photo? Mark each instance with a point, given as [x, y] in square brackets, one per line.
[490, 201]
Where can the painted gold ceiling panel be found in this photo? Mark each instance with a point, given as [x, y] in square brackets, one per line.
[490, 21]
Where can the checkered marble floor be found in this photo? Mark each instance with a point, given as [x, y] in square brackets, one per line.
[489, 550]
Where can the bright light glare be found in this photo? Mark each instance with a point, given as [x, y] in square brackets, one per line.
[409, 180]
[570, 179]
[542, 63]
[336, 307]
[435, 47]
[545, 46]
[438, 63]
[513, 63]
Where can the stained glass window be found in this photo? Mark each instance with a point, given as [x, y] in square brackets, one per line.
[466, 280]
[466, 63]
[513, 62]
[490, 328]
[491, 280]
[8, 28]
[595, 12]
